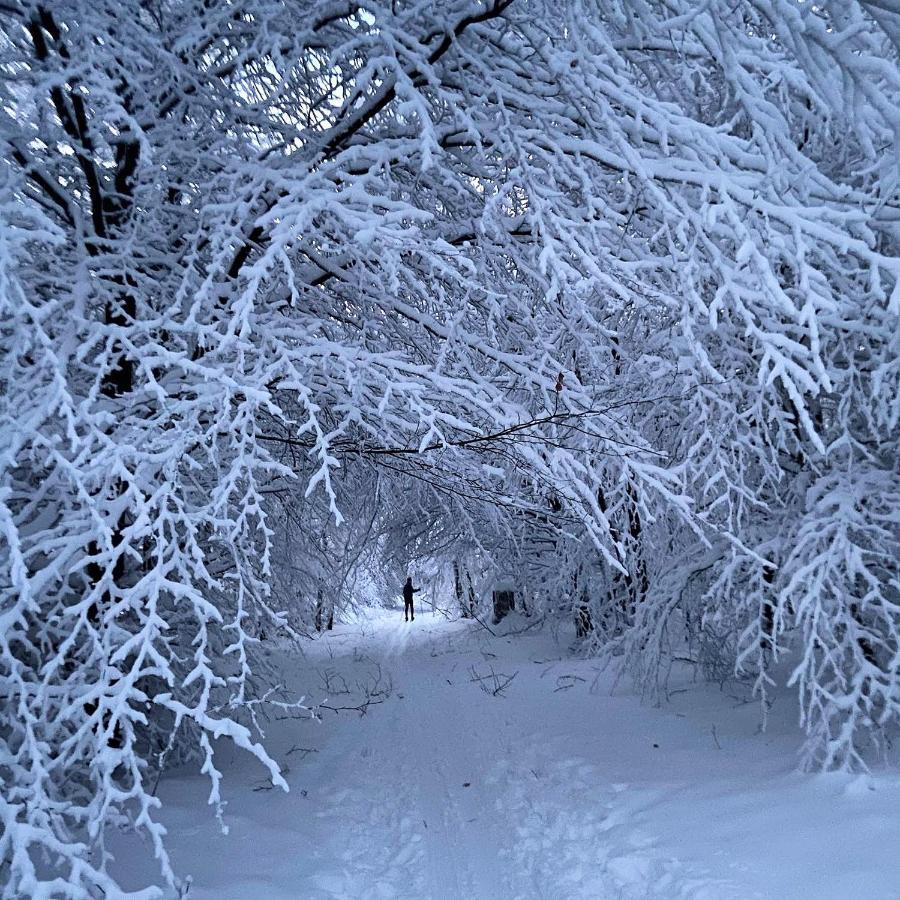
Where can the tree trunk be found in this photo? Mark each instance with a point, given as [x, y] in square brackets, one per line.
[767, 614]
[465, 593]
[320, 609]
[504, 603]
[584, 623]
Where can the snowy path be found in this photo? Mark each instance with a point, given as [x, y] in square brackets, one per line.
[452, 746]
[556, 788]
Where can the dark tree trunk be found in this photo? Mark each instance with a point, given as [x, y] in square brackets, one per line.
[628, 590]
[584, 624]
[470, 595]
[504, 603]
[767, 613]
[465, 593]
[458, 590]
[320, 609]
[109, 200]
[581, 609]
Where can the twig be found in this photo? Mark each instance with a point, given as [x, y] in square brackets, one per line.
[298, 749]
[482, 624]
[361, 709]
[500, 681]
[528, 627]
[564, 682]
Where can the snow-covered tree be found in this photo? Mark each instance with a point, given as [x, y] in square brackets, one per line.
[607, 289]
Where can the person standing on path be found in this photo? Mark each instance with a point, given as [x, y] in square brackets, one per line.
[408, 591]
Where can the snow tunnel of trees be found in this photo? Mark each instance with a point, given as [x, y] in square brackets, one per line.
[601, 295]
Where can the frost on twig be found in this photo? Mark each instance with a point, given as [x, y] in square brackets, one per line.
[602, 296]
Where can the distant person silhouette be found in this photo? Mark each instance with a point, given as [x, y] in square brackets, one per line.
[408, 591]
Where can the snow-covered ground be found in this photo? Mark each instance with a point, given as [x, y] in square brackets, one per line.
[558, 786]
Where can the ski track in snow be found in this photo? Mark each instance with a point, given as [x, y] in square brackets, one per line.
[476, 815]
[451, 751]
[573, 849]
[547, 792]
[555, 847]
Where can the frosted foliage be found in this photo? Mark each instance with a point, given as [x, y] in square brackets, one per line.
[601, 293]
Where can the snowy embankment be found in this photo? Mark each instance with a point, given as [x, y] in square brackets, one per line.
[555, 786]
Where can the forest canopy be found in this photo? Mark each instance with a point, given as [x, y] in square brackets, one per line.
[600, 292]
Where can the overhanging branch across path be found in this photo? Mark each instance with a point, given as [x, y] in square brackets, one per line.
[566, 419]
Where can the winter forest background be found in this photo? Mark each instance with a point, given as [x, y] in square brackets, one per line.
[599, 297]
